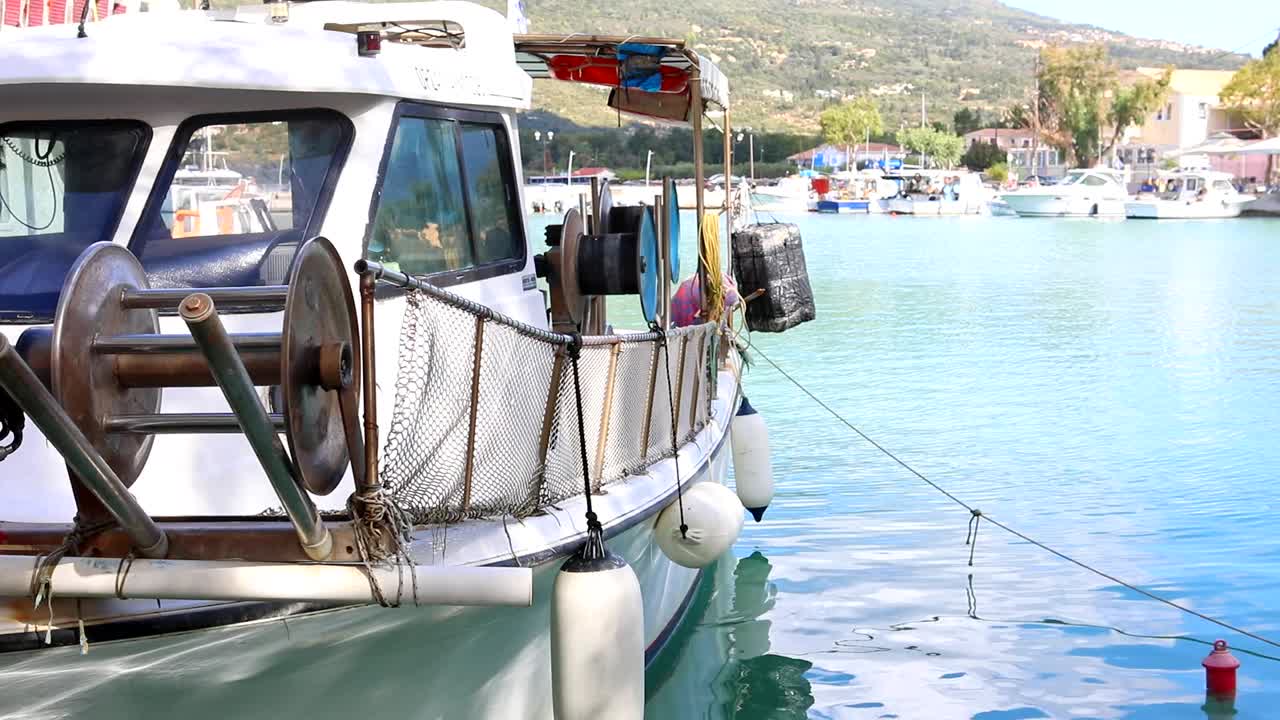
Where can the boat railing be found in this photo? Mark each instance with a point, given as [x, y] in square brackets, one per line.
[484, 417]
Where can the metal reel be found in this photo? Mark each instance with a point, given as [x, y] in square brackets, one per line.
[85, 384]
[571, 239]
[319, 361]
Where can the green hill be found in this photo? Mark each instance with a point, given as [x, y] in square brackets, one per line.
[787, 59]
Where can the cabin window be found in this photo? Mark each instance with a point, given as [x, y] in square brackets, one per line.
[1093, 181]
[63, 186]
[237, 196]
[448, 205]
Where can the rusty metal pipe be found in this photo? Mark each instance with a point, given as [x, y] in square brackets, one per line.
[368, 371]
[201, 317]
[184, 369]
[86, 462]
[229, 297]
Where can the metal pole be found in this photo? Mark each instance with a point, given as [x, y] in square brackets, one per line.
[751, 148]
[699, 179]
[87, 463]
[648, 163]
[368, 283]
[201, 317]
[728, 179]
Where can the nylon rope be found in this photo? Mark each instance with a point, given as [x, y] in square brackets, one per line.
[977, 515]
[593, 548]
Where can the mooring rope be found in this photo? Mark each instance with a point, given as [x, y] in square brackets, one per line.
[977, 515]
[593, 548]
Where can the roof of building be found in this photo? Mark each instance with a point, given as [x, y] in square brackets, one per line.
[590, 171]
[999, 132]
[1205, 83]
[828, 148]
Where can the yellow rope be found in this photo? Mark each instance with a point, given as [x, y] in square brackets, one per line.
[713, 293]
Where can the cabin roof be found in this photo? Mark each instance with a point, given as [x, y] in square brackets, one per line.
[314, 52]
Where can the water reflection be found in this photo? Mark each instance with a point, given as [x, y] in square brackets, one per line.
[720, 668]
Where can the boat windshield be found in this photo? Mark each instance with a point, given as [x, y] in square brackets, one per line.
[63, 186]
[1073, 177]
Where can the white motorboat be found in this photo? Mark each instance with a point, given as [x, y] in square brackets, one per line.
[1096, 192]
[258, 460]
[1190, 194]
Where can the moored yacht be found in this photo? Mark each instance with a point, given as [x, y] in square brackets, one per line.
[1190, 194]
[218, 460]
[1095, 192]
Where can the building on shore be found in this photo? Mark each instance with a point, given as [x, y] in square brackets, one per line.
[836, 157]
[1192, 114]
[1024, 156]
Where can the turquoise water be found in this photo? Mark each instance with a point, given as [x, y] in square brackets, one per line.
[1109, 388]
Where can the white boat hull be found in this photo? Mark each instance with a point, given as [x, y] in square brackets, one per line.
[439, 662]
[1064, 206]
[1180, 210]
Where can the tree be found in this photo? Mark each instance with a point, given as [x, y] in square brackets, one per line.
[966, 120]
[850, 123]
[1131, 105]
[982, 155]
[943, 148]
[1254, 92]
[998, 173]
[1075, 84]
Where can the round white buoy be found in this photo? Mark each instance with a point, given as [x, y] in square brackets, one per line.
[752, 470]
[713, 517]
[597, 640]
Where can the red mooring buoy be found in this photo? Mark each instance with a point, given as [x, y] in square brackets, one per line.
[1220, 670]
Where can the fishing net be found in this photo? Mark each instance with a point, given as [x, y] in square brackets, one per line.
[484, 422]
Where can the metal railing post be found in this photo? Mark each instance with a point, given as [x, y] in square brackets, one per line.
[469, 468]
[602, 442]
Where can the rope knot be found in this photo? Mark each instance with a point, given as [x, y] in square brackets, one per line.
[574, 348]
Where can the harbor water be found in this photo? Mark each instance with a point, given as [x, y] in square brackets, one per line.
[1111, 389]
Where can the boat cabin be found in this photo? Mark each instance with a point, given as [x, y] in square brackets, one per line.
[389, 129]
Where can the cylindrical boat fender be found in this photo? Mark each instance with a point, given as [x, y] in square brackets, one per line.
[713, 519]
[597, 640]
[752, 469]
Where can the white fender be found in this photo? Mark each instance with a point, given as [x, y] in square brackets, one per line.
[597, 641]
[714, 519]
[752, 469]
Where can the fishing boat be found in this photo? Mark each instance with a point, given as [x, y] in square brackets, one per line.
[227, 455]
[933, 192]
[1190, 194]
[1095, 192]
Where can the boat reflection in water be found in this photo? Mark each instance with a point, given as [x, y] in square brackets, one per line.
[720, 665]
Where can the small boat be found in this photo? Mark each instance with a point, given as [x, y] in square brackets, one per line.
[1190, 194]
[933, 193]
[842, 207]
[1095, 192]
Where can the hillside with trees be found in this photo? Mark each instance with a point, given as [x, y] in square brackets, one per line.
[790, 59]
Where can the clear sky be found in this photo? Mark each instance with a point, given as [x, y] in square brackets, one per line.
[1244, 25]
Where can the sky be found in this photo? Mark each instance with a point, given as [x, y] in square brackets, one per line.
[1243, 25]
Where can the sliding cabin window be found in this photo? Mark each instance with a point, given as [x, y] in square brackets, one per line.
[63, 187]
[237, 196]
[447, 207]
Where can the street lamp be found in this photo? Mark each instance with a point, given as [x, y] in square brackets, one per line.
[537, 136]
[568, 174]
[647, 160]
[751, 150]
